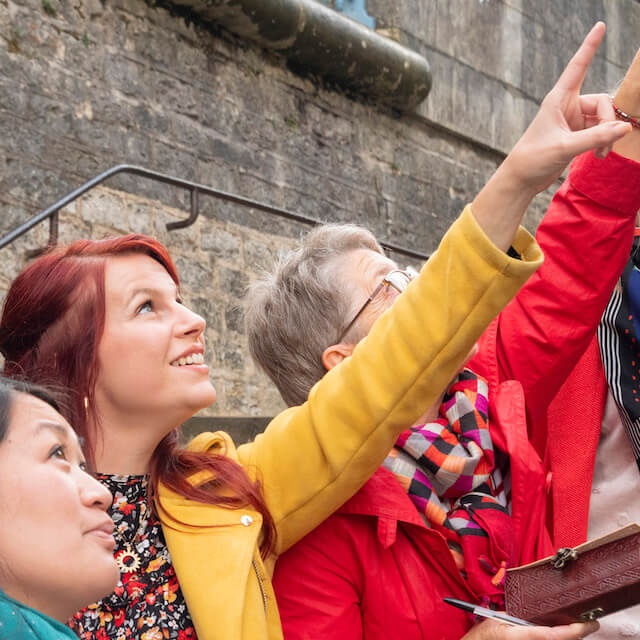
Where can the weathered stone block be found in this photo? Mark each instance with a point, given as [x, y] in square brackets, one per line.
[220, 243]
[140, 218]
[123, 74]
[232, 282]
[106, 208]
[195, 276]
[176, 94]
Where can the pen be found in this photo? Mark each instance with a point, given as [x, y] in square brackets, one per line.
[487, 613]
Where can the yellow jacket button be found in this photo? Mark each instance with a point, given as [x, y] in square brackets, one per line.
[246, 520]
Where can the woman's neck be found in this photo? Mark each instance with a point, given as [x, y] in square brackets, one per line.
[123, 460]
[48, 604]
[126, 446]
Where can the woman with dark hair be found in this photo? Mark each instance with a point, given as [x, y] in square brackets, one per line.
[196, 528]
[56, 542]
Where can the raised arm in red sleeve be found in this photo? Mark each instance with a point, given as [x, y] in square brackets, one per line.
[586, 236]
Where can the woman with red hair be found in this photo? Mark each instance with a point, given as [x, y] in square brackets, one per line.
[198, 530]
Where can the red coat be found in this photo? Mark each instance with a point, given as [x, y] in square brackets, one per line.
[550, 326]
[373, 569]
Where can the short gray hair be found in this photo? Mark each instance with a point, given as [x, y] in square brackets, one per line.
[293, 314]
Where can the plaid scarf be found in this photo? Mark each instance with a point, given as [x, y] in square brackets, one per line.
[618, 335]
[446, 468]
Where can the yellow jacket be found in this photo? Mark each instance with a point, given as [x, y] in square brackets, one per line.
[312, 458]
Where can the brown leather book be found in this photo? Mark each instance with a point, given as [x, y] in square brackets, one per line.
[585, 583]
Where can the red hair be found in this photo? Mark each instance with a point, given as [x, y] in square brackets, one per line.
[52, 323]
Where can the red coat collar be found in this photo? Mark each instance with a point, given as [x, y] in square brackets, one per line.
[383, 497]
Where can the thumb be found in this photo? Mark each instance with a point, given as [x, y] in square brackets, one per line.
[601, 138]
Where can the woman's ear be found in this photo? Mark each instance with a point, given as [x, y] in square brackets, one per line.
[335, 354]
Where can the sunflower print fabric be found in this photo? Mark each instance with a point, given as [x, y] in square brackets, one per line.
[147, 604]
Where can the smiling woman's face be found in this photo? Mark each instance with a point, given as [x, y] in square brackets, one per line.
[151, 354]
[56, 547]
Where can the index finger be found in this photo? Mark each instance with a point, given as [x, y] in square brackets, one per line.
[573, 75]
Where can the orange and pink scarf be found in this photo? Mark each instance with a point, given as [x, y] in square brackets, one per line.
[447, 468]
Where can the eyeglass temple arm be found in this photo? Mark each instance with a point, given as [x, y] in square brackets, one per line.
[368, 301]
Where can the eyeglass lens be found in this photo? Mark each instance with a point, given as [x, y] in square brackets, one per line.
[399, 279]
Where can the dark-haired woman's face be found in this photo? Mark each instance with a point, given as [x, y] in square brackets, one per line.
[55, 540]
[151, 355]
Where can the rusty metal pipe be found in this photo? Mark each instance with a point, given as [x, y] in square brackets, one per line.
[318, 40]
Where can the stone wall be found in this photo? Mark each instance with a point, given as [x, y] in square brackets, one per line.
[494, 60]
[215, 259]
[86, 84]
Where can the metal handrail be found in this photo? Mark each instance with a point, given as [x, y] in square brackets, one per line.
[194, 190]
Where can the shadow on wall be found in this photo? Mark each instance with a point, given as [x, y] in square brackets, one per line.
[241, 430]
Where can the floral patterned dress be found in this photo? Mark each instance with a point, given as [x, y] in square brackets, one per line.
[147, 604]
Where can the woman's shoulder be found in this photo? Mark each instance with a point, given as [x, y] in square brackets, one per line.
[19, 622]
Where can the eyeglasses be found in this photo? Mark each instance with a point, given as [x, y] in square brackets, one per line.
[398, 279]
